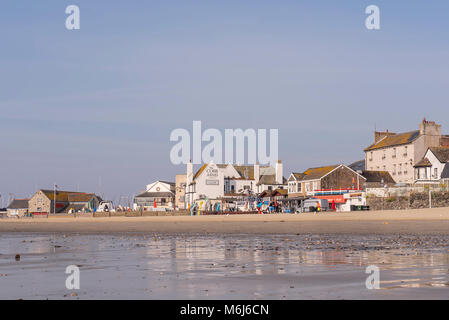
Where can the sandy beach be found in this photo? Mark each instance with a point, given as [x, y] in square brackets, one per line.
[419, 221]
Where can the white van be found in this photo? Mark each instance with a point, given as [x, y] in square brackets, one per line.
[311, 205]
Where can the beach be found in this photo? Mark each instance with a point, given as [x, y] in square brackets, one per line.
[278, 256]
[419, 221]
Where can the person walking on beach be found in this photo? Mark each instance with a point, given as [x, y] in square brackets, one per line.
[259, 206]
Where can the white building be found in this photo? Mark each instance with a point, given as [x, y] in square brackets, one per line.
[433, 167]
[397, 153]
[214, 181]
[159, 194]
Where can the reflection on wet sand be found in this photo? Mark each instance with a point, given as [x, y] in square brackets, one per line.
[182, 266]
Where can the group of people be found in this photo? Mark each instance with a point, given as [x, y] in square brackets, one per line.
[273, 207]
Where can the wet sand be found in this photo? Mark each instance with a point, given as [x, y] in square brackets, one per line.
[419, 221]
[231, 266]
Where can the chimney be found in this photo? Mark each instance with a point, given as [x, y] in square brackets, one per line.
[378, 135]
[279, 172]
[256, 172]
[429, 128]
[189, 178]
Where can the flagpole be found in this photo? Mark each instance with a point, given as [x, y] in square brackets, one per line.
[54, 198]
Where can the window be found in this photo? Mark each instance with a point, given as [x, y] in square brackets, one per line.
[405, 151]
[371, 156]
[315, 185]
[394, 152]
[436, 173]
[400, 168]
[384, 154]
[298, 187]
[394, 169]
[385, 168]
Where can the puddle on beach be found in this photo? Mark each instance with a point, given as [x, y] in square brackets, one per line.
[180, 266]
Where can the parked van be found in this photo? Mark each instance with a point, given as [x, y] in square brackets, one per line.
[311, 205]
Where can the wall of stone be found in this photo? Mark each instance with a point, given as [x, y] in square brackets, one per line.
[411, 201]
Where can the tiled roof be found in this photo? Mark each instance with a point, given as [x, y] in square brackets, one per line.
[155, 195]
[245, 171]
[167, 182]
[317, 173]
[298, 175]
[68, 196]
[18, 204]
[270, 179]
[377, 176]
[442, 153]
[80, 197]
[394, 139]
[423, 163]
[197, 174]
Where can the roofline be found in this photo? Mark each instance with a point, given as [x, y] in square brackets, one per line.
[393, 145]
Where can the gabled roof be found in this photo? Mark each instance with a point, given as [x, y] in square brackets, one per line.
[423, 163]
[68, 196]
[155, 195]
[198, 173]
[270, 179]
[445, 172]
[62, 196]
[80, 197]
[246, 172]
[394, 139]
[167, 182]
[297, 175]
[377, 176]
[441, 153]
[318, 173]
[19, 204]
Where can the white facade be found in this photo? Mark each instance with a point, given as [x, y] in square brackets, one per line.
[214, 181]
[430, 173]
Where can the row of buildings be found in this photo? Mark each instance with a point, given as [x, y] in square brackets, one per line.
[54, 201]
[415, 157]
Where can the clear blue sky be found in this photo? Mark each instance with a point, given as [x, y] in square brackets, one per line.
[100, 102]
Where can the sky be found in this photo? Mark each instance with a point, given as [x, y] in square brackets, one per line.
[92, 109]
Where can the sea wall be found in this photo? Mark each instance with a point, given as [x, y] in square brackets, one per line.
[411, 201]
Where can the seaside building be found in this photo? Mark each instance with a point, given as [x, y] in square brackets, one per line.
[217, 181]
[398, 153]
[323, 178]
[377, 179]
[159, 194]
[433, 168]
[45, 202]
[17, 208]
